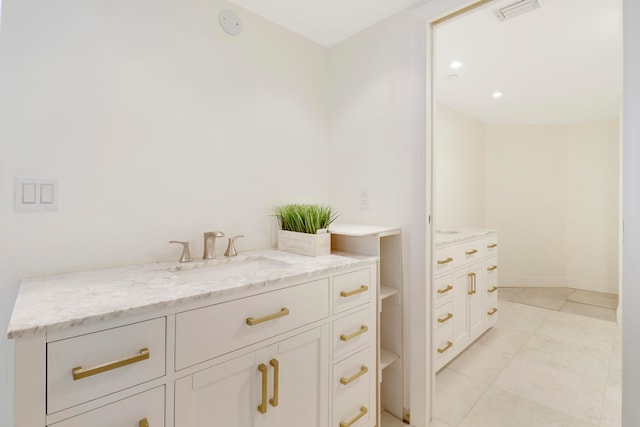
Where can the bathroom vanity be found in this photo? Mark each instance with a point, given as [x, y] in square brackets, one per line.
[464, 291]
[268, 339]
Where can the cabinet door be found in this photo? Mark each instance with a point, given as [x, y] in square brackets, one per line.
[476, 314]
[224, 395]
[461, 289]
[302, 377]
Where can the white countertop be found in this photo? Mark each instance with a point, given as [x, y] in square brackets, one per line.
[447, 236]
[359, 230]
[52, 303]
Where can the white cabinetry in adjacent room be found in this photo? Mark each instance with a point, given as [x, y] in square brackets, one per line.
[465, 294]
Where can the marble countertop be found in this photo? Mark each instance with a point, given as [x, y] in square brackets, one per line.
[53, 303]
[447, 236]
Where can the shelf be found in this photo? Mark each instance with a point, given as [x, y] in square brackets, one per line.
[387, 358]
[387, 291]
[357, 230]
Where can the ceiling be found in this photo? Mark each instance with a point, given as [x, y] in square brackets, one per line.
[326, 22]
[559, 64]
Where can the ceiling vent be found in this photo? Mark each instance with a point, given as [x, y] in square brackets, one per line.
[517, 8]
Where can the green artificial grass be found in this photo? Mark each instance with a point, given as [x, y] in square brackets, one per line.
[304, 218]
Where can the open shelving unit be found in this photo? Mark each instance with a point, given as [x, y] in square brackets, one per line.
[386, 244]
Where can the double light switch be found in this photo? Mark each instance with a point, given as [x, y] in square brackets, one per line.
[35, 194]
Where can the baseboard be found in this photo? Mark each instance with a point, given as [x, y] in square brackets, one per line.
[554, 282]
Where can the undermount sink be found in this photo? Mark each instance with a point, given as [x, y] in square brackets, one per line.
[219, 270]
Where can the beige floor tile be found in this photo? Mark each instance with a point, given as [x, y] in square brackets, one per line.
[612, 408]
[507, 293]
[438, 423]
[579, 330]
[455, 396]
[521, 317]
[508, 341]
[481, 363]
[585, 361]
[594, 298]
[498, 408]
[388, 420]
[551, 298]
[570, 394]
[587, 310]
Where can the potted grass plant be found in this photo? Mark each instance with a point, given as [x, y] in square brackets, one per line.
[303, 228]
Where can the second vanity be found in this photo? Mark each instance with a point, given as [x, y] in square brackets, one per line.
[268, 339]
[465, 289]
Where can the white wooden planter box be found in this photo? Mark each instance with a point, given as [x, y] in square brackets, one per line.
[304, 243]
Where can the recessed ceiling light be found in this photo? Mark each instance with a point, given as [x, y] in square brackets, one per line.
[497, 94]
[455, 65]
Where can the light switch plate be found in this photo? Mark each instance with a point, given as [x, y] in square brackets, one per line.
[35, 194]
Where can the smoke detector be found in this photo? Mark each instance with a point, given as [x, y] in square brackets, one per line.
[516, 8]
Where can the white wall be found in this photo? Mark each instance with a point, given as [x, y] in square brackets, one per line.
[552, 191]
[631, 275]
[525, 188]
[377, 144]
[459, 169]
[158, 126]
[593, 206]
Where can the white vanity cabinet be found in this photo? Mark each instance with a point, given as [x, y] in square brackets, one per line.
[298, 352]
[465, 294]
[284, 384]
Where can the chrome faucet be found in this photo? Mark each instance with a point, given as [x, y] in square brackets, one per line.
[186, 256]
[231, 248]
[210, 251]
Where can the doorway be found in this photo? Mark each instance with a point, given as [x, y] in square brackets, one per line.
[548, 178]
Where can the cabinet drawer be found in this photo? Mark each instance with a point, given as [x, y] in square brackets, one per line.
[131, 411]
[444, 332]
[446, 259]
[491, 272]
[348, 399]
[472, 251]
[443, 289]
[209, 332]
[491, 245]
[109, 361]
[351, 290]
[350, 333]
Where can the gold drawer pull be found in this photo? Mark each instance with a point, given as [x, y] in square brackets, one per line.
[445, 318]
[492, 312]
[445, 261]
[276, 376]
[79, 373]
[360, 331]
[283, 312]
[493, 267]
[445, 290]
[445, 348]
[363, 370]
[492, 290]
[471, 252]
[143, 423]
[262, 407]
[491, 246]
[345, 294]
[363, 412]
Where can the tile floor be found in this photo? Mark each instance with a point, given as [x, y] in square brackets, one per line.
[538, 367]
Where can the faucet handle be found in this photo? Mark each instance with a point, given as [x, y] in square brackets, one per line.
[231, 248]
[186, 256]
